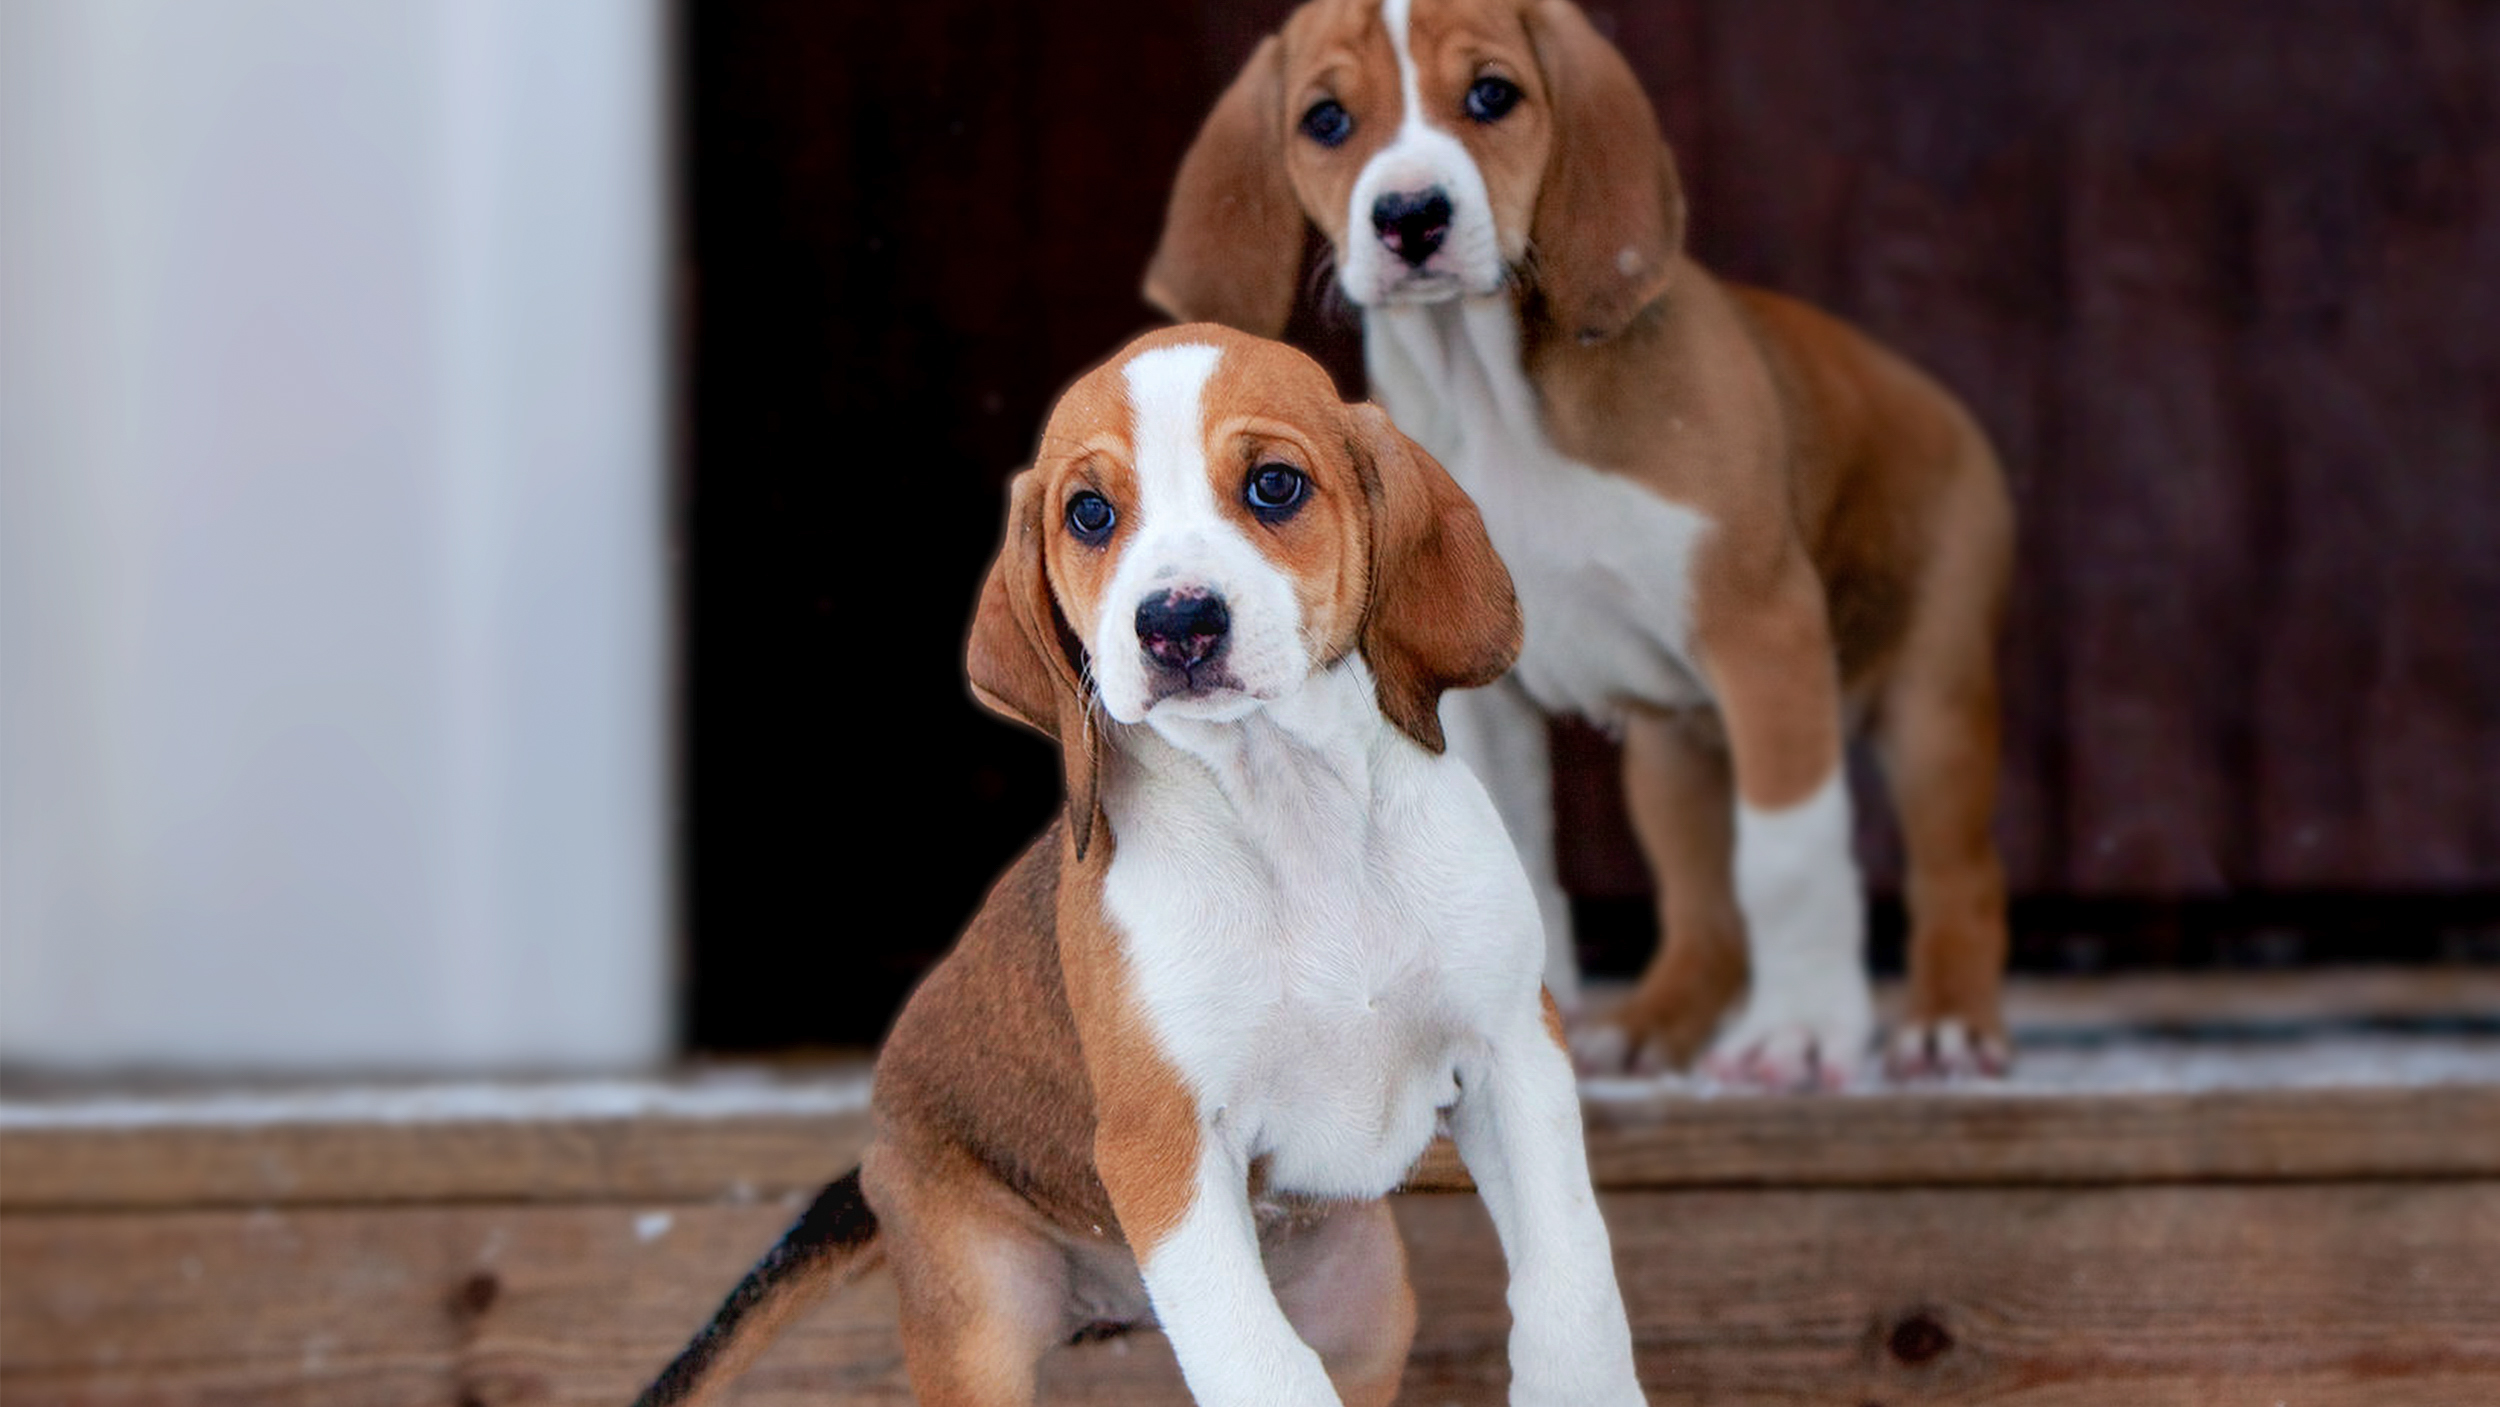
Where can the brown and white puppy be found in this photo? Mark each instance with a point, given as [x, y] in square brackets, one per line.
[1736, 525]
[1211, 1018]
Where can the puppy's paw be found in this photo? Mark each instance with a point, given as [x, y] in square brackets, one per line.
[1624, 1395]
[1790, 1040]
[1946, 1049]
[1635, 1039]
[1595, 1378]
[1668, 1020]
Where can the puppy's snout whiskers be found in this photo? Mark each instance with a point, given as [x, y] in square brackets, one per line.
[1090, 696]
[1520, 275]
[1326, 294]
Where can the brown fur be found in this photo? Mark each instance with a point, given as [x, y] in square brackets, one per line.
[1031, 1139]
[1863, 534]
[1146, 1125]
[1443, 616]
[1388, 555]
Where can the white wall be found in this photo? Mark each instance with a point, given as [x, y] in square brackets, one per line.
[331, 609]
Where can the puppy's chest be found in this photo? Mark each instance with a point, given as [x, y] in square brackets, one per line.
[1313, 981]
[1602, 565]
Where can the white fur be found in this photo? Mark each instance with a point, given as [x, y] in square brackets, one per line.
[1178, 537]
[1603, 568]
[1423, 155]
[1330, 934]
[1519, 1133]
[1211, 1294]
[1501, 735]
[1797, 882]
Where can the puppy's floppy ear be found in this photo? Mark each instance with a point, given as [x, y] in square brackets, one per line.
[1441, 613]
[1024, 661]
[1609, 218]
[1232, 236]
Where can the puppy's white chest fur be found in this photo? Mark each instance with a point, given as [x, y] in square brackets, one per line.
[1318, 915]
[1602, 565]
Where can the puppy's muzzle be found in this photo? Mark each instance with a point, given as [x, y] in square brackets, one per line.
[1412, 224]
[1183, 631]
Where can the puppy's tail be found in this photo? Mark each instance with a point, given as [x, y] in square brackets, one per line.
[829, 1245]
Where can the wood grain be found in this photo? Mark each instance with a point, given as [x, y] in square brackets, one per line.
[1889, 1139]
[2260, 1223]
[2376, 1293]
[653, 1158]
[1981, 1139]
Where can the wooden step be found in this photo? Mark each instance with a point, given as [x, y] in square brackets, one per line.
[2243, 1190]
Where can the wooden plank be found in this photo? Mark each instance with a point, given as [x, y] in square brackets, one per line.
[2134, 1002]
[2096, 1099]
[2376, 1293]
[660, 1158]
[1958, 1138]
[2042, 1128]
[2369, 1293]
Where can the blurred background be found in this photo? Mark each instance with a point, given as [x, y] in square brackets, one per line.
[333, 553]
[491, 494]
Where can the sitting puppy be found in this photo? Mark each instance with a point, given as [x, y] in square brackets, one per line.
[1734, 522]
[1209, 1020]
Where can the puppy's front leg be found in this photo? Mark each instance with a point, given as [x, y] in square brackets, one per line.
[1808, 1014]
[1517, 1125]
[1186, 1212]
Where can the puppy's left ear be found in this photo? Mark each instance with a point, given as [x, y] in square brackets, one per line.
[1441, 614]
[1232, 236]
[1026, 664]
[1609, 221]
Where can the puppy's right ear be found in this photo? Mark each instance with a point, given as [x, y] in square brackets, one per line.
[1232, 236]
[1026, 664]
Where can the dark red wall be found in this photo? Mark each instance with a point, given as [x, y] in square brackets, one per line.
[2222, 279]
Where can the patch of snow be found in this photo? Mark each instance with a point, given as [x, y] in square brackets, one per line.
[737, 1095]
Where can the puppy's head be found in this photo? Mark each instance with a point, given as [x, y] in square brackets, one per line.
[1446, 148]
[1205, 526]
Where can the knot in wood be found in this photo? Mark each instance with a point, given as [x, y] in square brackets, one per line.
[476, 1295]
[1919, 1339]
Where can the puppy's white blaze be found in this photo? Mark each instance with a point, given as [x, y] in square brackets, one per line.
[1181, 538]
[1422, 154]
[1396, 16]
[1167, 390]
[1797, 883]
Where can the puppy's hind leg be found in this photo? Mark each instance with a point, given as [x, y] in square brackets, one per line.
[1343, 1287]
[984, 1289]
[1936, 732]
[1681, 794]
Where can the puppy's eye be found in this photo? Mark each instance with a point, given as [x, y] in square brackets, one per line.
[1274, 491]
[1328, 123]
[1090, 517]
[1490, 99]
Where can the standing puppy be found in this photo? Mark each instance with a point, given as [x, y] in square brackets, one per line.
[1209, 1020]
[1736, 525]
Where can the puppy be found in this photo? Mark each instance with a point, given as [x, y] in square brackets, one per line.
[1736, 525]
[1210, 1019]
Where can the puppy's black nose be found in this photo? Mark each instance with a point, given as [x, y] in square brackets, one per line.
[1182, 629]
[1412, 223]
